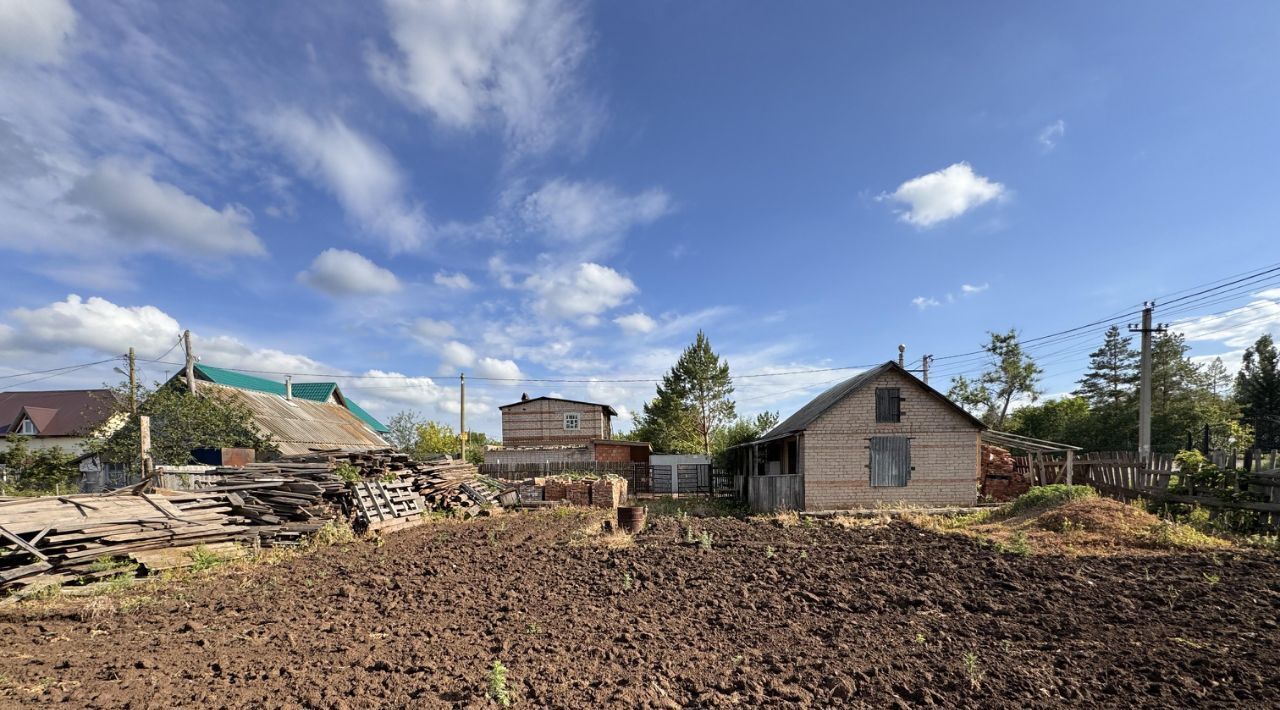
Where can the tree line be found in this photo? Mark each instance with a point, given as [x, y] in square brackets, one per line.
[1101, 414]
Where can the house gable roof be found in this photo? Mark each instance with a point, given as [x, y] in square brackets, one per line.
[807, 414]
[57, 412]
[607, 408]
[311, 391]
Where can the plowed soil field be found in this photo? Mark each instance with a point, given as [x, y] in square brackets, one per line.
[807, 616]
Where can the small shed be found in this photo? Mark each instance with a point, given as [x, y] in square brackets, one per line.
[882, 436]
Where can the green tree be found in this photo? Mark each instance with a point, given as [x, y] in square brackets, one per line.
[37, 470]
[692, 401]
[1113, 371]
[404, 429]
[1065, 420]
[740, 431]
[1258, 392]
[1010, 374]
[436, 438]
[1182, 397]
[180, 422]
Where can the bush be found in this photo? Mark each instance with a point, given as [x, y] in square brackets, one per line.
[1049, 496]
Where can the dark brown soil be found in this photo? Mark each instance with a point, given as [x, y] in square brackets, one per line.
[879, 616]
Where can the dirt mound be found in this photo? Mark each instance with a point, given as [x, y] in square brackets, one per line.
[756, 616]
[1097, 515]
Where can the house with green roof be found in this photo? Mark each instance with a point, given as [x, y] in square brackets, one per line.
[325, 392]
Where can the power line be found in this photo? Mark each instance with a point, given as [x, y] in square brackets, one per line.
[60, 369]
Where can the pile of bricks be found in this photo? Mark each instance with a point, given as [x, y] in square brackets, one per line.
[608, 492]
[999, 481]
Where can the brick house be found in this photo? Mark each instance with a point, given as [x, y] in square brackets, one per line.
[551, 430]
[550, 421]
[882, 436]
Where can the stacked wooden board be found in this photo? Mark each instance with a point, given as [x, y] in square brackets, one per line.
[56, 539]
[999, 481]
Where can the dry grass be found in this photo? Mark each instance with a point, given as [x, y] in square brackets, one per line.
[781, 518]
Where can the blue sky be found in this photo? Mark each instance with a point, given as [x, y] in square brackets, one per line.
[395, 192]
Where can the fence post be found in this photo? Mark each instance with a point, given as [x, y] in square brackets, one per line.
[1071, 460]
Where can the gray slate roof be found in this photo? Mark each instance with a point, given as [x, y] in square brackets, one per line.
[806, 415]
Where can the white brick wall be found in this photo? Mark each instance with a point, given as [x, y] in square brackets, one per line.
[944, 451]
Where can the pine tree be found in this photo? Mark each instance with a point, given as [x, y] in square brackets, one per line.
[1218, 378]
[692, 402]
[1258, 391]
[1113, 371]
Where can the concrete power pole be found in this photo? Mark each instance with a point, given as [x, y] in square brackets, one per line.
[462, 412]
[924, 366]
[133, 384]
[1144, 396]
[191, 362]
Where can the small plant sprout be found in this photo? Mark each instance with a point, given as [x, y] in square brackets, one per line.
[498, 684]
[804, 554]
[626, 581]
[971, 670]
[1212, 579]
[770, 553]
[705, 539]
[689, 537]
[533, 629]
[920, 638]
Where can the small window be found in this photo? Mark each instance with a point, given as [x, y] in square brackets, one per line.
[888, 404]
[572, 421]
[27, 427]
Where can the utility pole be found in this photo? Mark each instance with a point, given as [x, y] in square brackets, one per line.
[1144, 396]
[462, 412]
[133, 384]
[925, 366]
[191, 362]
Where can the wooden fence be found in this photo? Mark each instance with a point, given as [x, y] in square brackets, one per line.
[766, 494]
[1122, 475]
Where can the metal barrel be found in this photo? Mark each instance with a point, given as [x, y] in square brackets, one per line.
[631, 519]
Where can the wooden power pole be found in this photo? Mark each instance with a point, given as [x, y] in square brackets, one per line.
[1144, 392]
[191, 362]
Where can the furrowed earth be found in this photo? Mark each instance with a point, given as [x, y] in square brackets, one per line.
[875, 615]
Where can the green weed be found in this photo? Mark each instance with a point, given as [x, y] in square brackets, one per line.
[626, 581]
[1048, 496]
[971, 670]
[705, 539]
[498, 684]
[769, 552]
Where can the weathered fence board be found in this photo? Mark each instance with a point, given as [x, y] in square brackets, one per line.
[769, 493]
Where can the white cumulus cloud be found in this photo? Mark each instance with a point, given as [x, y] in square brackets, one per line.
[340, 273]
[456, 281]
[923, 302]
[432, 331]
[35, 31]
[582, 292]
[138, 210]
[968, 289]
[498, 368]
[636, 323]
[358, 170]
[943, 195]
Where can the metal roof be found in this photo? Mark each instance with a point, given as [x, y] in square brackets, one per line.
[606, 407]
[1026, 443]
[807, 414]
[298, 426]
[313, 391]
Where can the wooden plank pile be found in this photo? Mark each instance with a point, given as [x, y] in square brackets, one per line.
[59, 539]
[607, 491]
[284, 501]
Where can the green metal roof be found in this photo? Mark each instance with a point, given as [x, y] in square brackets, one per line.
[314, 391]
[366, 417]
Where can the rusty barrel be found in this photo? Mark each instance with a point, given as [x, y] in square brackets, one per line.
[631, 519]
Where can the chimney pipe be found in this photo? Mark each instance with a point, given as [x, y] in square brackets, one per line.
[288, 386]
[902, 355]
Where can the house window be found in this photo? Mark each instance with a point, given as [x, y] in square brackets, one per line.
[27, 427]
[572, 421]
[890, 461]
[888, 404]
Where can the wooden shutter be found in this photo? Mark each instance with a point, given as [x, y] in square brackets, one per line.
[888, 404]
[890, 460]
